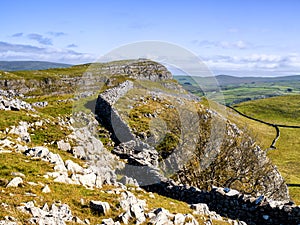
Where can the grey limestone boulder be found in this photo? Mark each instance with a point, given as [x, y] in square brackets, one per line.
[62, 145]
[57, 214]
[101, 208]
[15, 182]
[21, 131]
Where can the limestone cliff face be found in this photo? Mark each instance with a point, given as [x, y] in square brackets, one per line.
[140, 69]
[94, 75]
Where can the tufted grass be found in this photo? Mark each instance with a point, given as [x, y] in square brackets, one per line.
[281, 110]
[72, 195]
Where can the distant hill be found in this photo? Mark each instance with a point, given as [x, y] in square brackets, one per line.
[30, 65]
[240, 89]
[226, 79]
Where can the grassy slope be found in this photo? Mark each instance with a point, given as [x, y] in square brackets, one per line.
[281, 110]
[35, 169]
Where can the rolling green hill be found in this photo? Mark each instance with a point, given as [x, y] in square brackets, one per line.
[278, 110]
[283, 110]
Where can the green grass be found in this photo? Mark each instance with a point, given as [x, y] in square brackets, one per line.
[287, 157]
[278, 110]
[33, 171]
[12, 118]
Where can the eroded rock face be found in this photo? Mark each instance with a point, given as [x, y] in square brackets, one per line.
[142, 69]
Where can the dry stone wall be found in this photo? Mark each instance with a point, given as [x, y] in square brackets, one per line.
[232, 204]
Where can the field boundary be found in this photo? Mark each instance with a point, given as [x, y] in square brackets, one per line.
[276, 126]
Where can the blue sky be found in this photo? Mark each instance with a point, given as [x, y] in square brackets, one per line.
[250, 37]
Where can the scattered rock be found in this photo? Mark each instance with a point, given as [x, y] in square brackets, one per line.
[40, 104]
[5, 222]
[133, 207]
[179, 219]
[46, 189]
[15, 182]
[21, 131]
[109, 222]
[62, 145]
[101, 208]
[18, 174]
[200, 209]
[73, 167]
[160, 216]
[14, 104]
[55, 215]
[129, 181]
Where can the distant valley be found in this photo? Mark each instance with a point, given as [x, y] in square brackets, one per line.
[232, 90]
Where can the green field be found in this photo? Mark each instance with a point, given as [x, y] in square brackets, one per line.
[280, 110]
[233, 90]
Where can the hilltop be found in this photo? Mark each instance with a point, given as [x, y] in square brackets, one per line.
[131, 146]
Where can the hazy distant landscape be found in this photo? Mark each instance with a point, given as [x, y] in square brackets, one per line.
[233, 90]
[30, 65]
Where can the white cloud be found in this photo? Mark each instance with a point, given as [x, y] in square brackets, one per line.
[256, 63]
[9, 51]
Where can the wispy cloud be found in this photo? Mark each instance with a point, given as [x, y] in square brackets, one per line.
[255, 63]
[10, 51]
[9, 47]
[40, 39]
[56, 34]
[72, 46]
[17, 35]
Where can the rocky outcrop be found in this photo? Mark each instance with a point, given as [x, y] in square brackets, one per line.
[57, 214]
[94, 75]
[14, 104]
[72, 173]
[142, 69]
